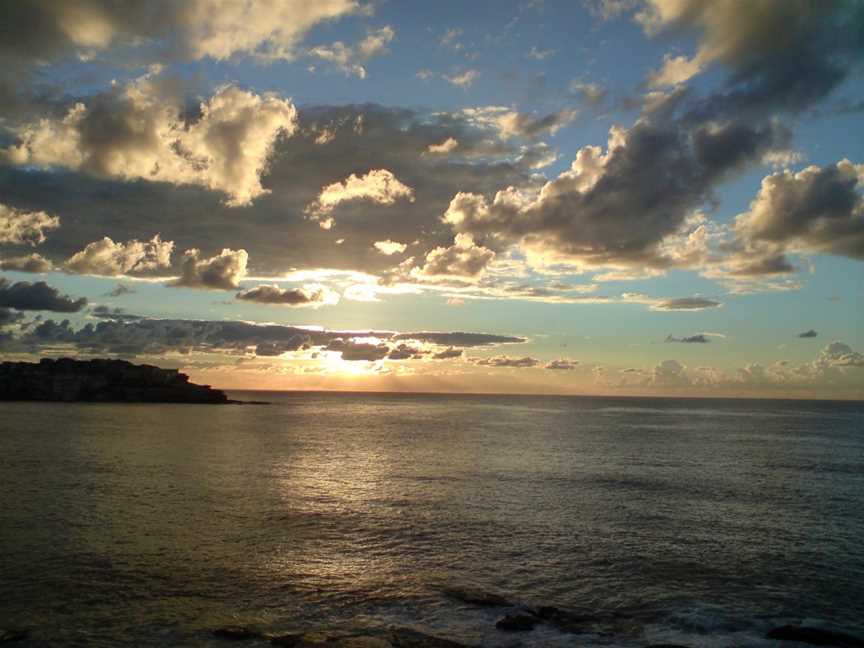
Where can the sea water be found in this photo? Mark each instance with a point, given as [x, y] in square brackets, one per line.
[702, 522]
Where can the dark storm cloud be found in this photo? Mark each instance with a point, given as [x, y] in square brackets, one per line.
[808, 334]
[38, 296]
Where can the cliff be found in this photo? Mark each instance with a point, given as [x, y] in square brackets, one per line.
[71, 380]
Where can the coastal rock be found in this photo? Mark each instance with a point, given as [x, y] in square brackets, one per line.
[236, 633]
[517, 622]
[8, 636]
[476, 596]
[390, 638]
[118, 381]
[564, 620]
[815, 636]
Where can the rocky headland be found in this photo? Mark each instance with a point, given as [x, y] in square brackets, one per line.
[102, 381]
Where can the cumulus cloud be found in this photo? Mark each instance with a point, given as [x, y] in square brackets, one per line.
[818, 209]
[138, 133]
[808, 334]
[224, 271]
[38, 296]
[618, 207]
[306, 296]
[378, 186]
[18, 227]
[389, 247]
[463, 259]
[107, 258]
[30, 263]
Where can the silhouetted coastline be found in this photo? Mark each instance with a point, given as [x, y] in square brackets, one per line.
[102, 381]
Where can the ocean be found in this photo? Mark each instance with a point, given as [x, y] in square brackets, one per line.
[691, 521]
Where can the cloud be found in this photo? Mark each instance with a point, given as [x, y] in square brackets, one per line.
[700, 338]
[669, 373]
[38, 296]
[138, 132]
[540, 55]
[18, 227]
[107, 258]
[121, 335]
[463, 259]
[618, 208]
[675, 70]
[449, 353]
[808, 334]
[350, 60]
[785, 53]
[563, 364]
[378, 186]
[506, 361]
[687, 304]
[510, 123]
[447, 146]
[45, 30]
[30, 263]
[459, 339]
[450, 39]
[8, 316]
[224, 271]
[297, 170]
[818, 209]
[119, 290]
[591, 93]
[389, 247]
[839, 354]
[314, 296]
[463, 79]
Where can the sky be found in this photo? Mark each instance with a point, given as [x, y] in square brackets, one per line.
[627, 197]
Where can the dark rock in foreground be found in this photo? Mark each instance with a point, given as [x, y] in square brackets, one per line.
[474, 596]
[363, 638]
[815, 636]
[8, 636]
[102, 381]
[517, 622]
[236, 632]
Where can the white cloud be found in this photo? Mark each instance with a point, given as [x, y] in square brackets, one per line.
[447, 146]
[462, 79]
[378, 186]
[139, 133]
[105, 257]
[389, 247]
[19, 227]
[351, 60]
